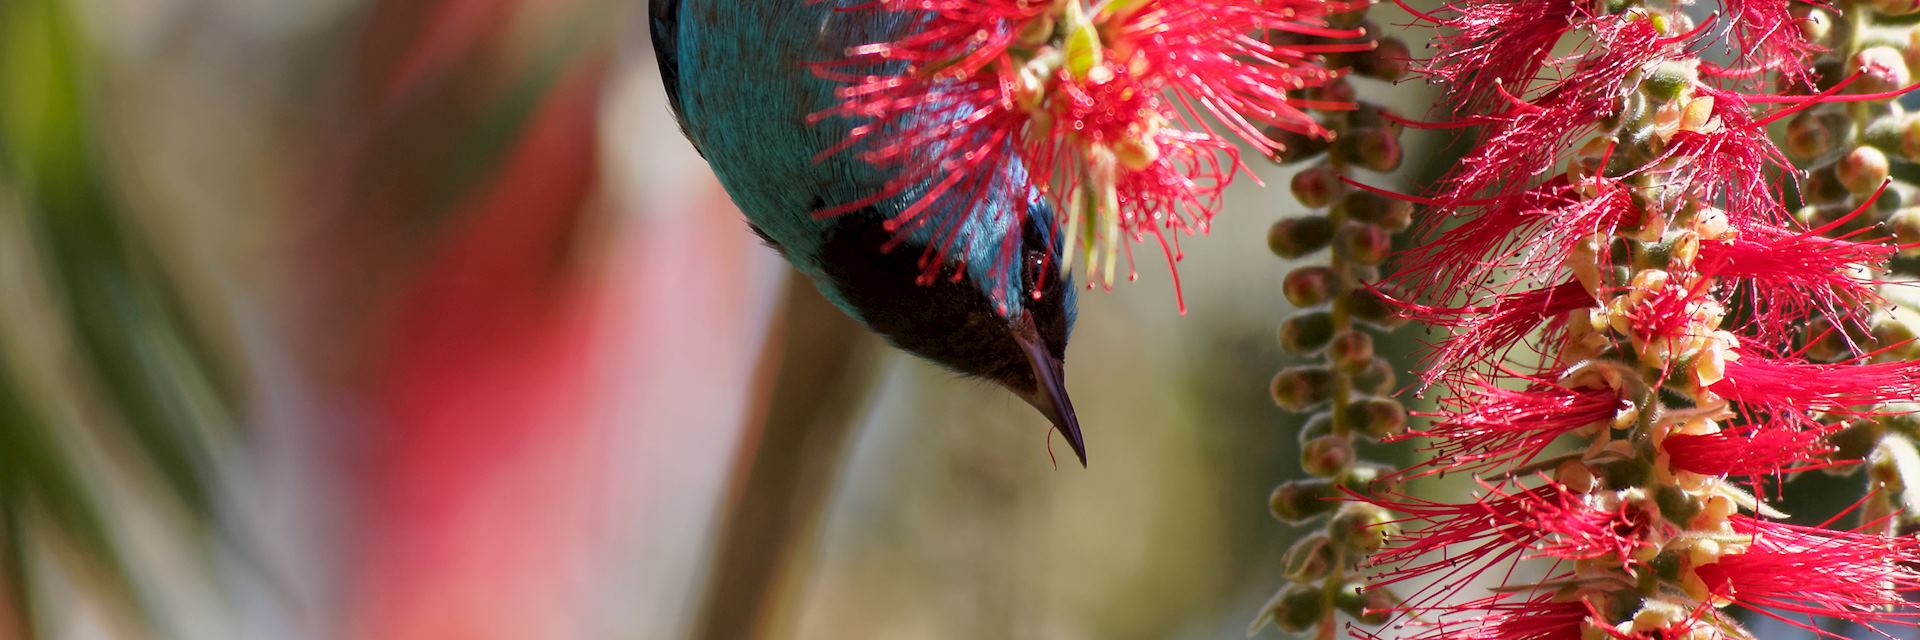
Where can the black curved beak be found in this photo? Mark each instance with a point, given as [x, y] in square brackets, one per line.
[1050, 394]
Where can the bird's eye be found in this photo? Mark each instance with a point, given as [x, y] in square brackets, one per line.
[1035, 272]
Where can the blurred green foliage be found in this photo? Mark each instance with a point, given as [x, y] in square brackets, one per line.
[139, 364]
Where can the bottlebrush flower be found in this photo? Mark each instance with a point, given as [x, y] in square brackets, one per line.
[1505, 524]
[1503, 617]
[1618, 271]
[1107, 107]
[1789, 572]
[1537, 230]
[1789, 384]
[1767, 449]
[1482, 334]
[1485, 48]
[1490, 427]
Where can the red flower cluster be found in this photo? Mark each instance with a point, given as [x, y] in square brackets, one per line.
[1619, 227]
[1107, 109]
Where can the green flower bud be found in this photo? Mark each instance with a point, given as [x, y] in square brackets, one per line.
[1317, 426]
[1366, 206]
[1306, 332]
[1885, 132]
[1310, 559]
[1375, 148]
[1667, 80]
[1897, 7]
[1299, 608]
[1824, 342]
[1809, 136]
[1326, 456]
[1387, 61]
[1815, 23]
[1377, 417]
[1676, 505]
[1905, 225]
[1298, 501]
[1368, 306]
[1622, 474]
[1827, 73]
[1350, 351]
[1297, 389]
[1371, 478]
[1361, 528]
[1308, 286]
[1350, 18]
[1367, 115]
[1365, 244]
[1881, 68]
[1855, 442]
[1295, 237]
[1295, 146]
[1317, 186]
[1368, 606]
[1823, 186]
[1333, 91]
[1378, 379]
[1862, 170]
[1890, 333]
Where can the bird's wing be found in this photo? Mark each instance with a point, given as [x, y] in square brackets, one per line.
[663, 22]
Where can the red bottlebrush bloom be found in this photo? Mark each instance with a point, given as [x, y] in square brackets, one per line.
[1795, 385]
[1489, 427]
[1723, 153]
[1790, 572]
[1530, 137]
[1460, 541]
[1771, 37]
[1484, 48]
[1534, 231]
[1502, 617]
[1765, 450]
[1105, 112]
[1787, 275]
[1483, 335]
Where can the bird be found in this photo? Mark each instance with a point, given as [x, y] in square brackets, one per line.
[739, 83]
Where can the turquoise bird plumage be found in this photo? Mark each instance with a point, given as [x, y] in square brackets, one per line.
[739, 79]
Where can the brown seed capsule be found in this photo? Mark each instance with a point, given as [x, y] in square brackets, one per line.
[1295, 146]
[1881, 69]
[1389, 61]
[1808, 136]
[1310, 559]
[1326, 456]
[1308, 286]
[1376, 148]
[1296, 237]
[1299, 608]
[1298, 501]
[1306, 332]
[1317, 186]
[1361, 527]
[1350, 351]
[1368, 306]
[1366, 206]
[1863, 170]
[1378, 379]
[1365, 244]
[1297, 389]
[1378, 418]
[1373, 606]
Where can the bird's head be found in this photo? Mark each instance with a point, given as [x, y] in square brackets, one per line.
[998, 306]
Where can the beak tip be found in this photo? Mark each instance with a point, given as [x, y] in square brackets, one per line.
[1050, 392]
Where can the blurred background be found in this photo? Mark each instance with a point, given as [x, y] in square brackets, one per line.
[377, 319]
